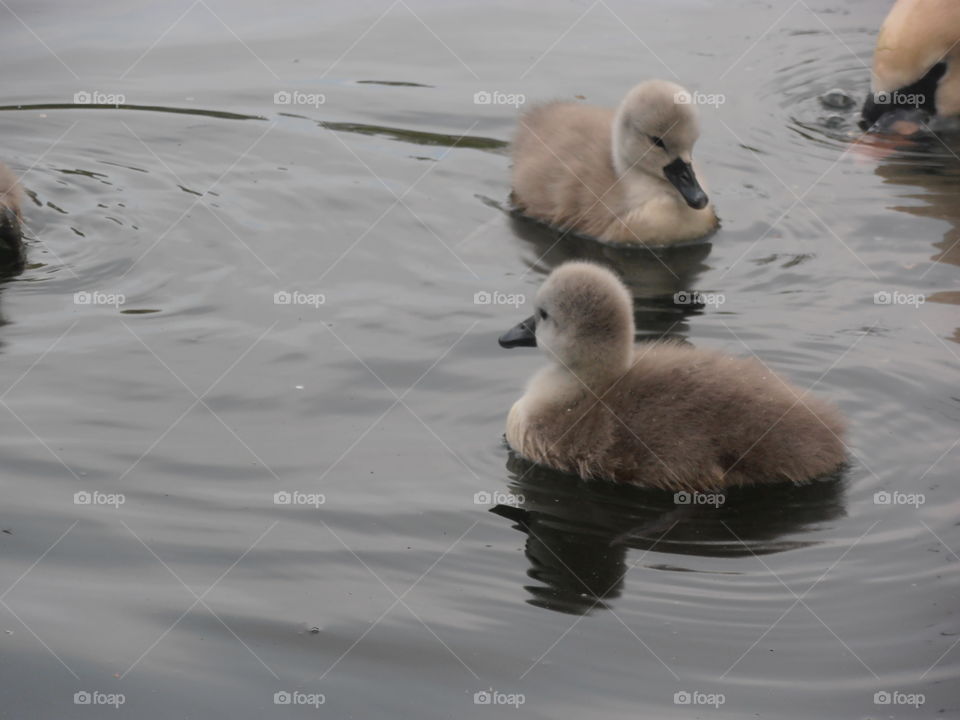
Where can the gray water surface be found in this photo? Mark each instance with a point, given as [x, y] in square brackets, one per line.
[198, 398]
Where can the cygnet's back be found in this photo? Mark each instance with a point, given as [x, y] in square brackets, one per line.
[578, 138]
[689, 418]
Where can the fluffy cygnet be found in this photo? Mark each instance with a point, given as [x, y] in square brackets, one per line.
[620, 176]
[663, 414]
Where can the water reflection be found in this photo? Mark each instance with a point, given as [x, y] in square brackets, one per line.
[418, 137]
[931, 172]
[654, 276]
[922, 158]
[579, 533]
[220, 114]
[12, 256]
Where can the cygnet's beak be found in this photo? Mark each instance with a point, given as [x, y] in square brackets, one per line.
[522, 335]
[681, 176]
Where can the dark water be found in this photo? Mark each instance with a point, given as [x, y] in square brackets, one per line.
[198, 398]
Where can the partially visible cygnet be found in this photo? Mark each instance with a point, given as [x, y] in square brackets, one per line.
[663, 415]
[11, 235]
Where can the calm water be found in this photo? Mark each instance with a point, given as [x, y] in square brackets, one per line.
[198, 397]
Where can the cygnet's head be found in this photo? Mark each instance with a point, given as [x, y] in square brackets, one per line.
[583, 320]
[654, 131]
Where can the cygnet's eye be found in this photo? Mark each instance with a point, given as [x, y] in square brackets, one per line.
[542, 314]
[658, 141]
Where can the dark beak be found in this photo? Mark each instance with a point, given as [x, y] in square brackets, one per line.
[522, 335]
[681, 176]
